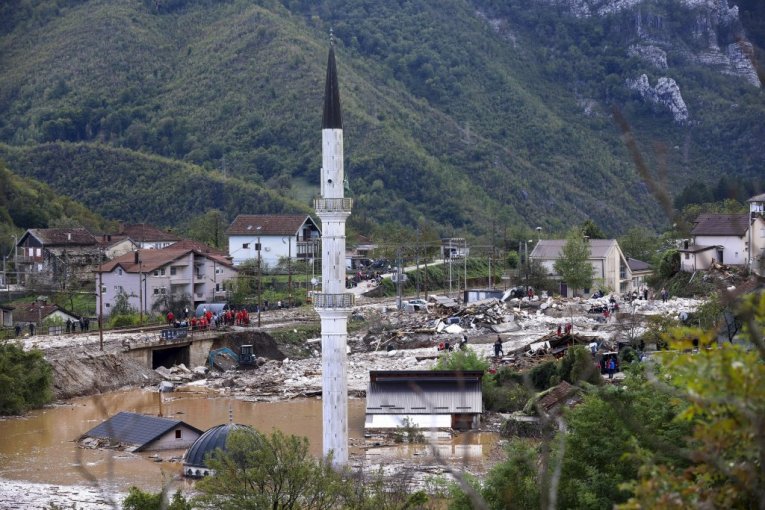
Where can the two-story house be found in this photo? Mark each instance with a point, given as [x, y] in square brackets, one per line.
[757, 234]
[721, 238]
[610, 268]
[146, 277]
[58, 258]
[273, 236]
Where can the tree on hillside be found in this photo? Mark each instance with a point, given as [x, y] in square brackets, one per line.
[590, 229]
[573, 266]
[639, 243]
[209, 228]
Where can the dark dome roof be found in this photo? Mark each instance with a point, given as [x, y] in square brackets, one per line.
[213, 438]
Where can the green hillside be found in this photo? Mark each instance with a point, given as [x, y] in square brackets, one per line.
[27, 203]
[461, 112]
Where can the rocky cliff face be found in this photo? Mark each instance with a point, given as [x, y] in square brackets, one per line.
[674, 33]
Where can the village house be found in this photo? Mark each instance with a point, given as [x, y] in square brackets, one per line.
[610, 269]
[115, 245]
[720, 238]
[273, 237]
[147, 237]
[138, 432]
[6, 316]
[58, 258]
[40, 312]
[148, 278]
[424, 399]
[757, 234]
[640, 271]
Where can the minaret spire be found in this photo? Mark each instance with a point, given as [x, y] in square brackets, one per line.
[332, 119]
[334, 303]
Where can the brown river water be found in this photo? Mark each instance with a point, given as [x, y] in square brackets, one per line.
[41, 446]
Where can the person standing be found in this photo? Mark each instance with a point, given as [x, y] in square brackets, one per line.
[611, 368]
[498, 347]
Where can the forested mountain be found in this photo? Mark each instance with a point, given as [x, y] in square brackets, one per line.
[465, 113]
[27, 203]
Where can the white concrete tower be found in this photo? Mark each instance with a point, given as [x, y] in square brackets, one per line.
[334, 304]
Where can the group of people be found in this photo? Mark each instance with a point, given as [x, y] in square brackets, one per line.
[19, 327]
[83, 323]
[208, 319]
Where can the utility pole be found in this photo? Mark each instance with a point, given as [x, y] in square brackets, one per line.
[289, 272]
[260, 305]
[140, 286]
[100, 310]
[417, 257]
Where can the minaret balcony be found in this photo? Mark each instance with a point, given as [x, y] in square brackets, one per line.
[330, 205]
[334, 300]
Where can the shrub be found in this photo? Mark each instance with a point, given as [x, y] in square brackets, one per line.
[25, 379]
[541, 375]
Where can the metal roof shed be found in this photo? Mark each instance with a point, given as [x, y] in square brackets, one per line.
[424, 398]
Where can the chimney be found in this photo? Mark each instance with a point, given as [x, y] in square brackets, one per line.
[136, 256]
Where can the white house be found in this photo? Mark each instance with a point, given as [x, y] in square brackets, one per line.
[757, 234]
[147, 277]
[277, 235]
[147, 237]
[609, 267]
[722, 238]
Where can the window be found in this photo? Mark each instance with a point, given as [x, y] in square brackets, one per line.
[106, 305]
[687, 256]
[178, 434]
[159, 272]
[119, 271]
[162, 290]
[118, 289]
[218, 270]
[173, 271]
[217, 287]
[245, 246]
[38, 252]
[156, 292]
[103, 289]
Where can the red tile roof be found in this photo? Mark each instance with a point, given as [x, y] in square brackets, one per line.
[270, 224]
[28, 312]
[149, 260]
[143, 232]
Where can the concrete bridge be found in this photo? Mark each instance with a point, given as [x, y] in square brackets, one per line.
[172, 346]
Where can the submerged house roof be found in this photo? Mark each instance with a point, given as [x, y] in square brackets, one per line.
[424, 392]
[136, 429]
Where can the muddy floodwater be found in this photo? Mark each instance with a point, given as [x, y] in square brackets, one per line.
[41, 447]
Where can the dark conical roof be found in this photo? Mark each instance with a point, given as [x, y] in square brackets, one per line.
[208, 442]
[332, 119]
